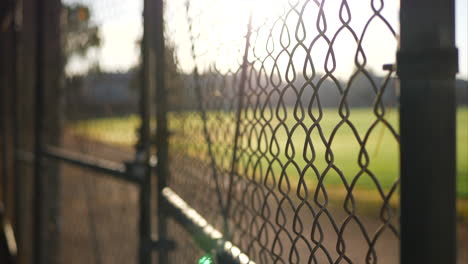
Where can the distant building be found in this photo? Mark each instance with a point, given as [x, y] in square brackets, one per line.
[108, 88]
[102, 94]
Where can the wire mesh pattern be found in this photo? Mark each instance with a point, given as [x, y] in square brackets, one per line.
[287, 123]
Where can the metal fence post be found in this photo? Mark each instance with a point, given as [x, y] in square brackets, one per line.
[427, 64]
[47, 116]
[39, 136]
[143, 146]
[162, 134]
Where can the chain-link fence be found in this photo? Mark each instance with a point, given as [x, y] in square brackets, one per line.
[231, 132]
[284, 126]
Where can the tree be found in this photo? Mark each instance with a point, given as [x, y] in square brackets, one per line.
[79, 34]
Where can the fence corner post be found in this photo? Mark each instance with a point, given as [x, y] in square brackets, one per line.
[426, 66]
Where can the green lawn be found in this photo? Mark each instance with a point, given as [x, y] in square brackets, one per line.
[114, 130]
[379, 156]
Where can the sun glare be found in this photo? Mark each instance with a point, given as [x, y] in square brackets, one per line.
[283, 27]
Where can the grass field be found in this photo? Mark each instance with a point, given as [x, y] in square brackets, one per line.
[381, 156]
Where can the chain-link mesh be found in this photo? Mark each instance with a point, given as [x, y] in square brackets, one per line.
[284, 128]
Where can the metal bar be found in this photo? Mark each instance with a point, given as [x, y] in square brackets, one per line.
[145, 207]
[145, 95]
[16, 163]
[427, 127]
[39, 136]
[162, 133]
[143, 146]
[207, 237]
[7, 115]
[115, 169]
[3, 136]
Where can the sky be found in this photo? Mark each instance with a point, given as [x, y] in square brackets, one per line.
[120, 24]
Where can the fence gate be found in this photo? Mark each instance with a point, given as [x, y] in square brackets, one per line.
[94, 159]
[268, 132]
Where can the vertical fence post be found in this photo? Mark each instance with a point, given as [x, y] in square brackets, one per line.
[48, 84]
[143, 146]
[16, 132]
[162, 140]
[427, 64]
[39, 135]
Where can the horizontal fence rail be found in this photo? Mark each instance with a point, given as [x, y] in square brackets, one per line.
[107, 167]
[208, 237]
[128, 171]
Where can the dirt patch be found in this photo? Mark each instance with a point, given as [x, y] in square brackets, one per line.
[99, 214]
